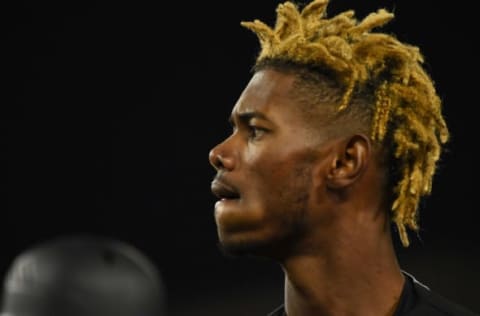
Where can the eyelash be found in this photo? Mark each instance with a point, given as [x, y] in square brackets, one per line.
[254, 132]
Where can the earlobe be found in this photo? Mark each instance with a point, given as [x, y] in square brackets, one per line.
[350, 161]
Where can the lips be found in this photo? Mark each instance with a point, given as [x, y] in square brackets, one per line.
[223, 190]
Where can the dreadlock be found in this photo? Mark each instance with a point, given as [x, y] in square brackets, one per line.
[406, 105]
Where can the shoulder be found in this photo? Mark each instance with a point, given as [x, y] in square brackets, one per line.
[430, 303]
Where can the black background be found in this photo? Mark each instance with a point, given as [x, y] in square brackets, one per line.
[110, 108]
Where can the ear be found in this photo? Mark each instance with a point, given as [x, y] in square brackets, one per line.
[349, 162]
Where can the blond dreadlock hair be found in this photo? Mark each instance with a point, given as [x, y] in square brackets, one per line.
[406, 103]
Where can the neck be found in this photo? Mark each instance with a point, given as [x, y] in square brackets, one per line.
[356, 278]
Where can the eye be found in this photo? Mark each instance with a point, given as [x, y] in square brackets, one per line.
[255, 132]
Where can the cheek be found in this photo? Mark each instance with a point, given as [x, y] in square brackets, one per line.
[276, 173]
[282, 193]
[267, 168]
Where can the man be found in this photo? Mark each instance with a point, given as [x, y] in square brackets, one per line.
[336, 136]
[83, 275]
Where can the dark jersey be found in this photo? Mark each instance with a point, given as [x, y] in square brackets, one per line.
[416, 300]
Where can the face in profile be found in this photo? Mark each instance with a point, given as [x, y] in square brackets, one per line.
[264, 179]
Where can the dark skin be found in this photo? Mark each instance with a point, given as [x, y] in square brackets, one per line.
[310, 199]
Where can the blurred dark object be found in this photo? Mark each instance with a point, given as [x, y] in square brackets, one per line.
[83, 276]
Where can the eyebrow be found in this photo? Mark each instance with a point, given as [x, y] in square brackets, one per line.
[247, 116]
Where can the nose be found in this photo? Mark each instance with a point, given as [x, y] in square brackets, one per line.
[219, 158]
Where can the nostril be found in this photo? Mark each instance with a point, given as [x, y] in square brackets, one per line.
[221, 157]
[218, 162]
[215, 159]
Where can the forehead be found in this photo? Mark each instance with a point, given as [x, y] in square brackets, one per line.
[267, 90]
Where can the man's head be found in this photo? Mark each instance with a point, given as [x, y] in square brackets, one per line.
[332, 108]
[83, 276]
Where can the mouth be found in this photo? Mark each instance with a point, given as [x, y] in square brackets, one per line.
[224, 191]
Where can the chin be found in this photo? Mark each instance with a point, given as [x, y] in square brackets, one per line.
[258, 247]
